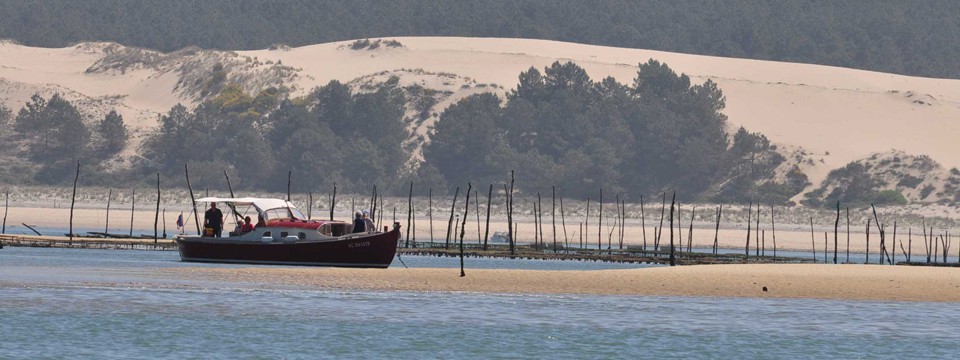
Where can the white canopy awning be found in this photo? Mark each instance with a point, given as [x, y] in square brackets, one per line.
[259, 203]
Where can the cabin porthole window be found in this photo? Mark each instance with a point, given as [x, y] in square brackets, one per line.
[267, 234]
[302, 236]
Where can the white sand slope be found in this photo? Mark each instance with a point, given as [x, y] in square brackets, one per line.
[837, 114]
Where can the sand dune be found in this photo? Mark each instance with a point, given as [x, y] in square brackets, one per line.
[837, 114]
[851, 282]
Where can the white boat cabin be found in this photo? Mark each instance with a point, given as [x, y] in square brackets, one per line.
[275, 220]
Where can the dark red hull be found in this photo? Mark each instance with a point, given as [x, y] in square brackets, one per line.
[372, 251]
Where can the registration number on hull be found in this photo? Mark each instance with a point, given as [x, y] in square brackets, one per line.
[359, 244]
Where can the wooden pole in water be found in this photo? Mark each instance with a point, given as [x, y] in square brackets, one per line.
[333, 201]
[409, 214]
[156, 215]
[509, 218]
[763, 240]
[73, 200]
[164, 223]
[773, 230]
[600, 223]
[813, 242]
[413, 225]
[643, 224]
[616, 223]
[463, 228]
[309, 205]
[690, 231]
[716, 233]
[486, 229]
[373, 199]
[6, 209]
[289, 179]
[867, 260]
[453, 209]
[553, 216]
[623, 221]
[536, 229]
[430, 211]
[673, 257]
[563, 223]
[196, 218]
[848, 234]
[883, 247]
[476, 201]
[613, 227]
[510, 225]
[749, 230]
[540, 220]
[656, 240]
[936, 245]
[926, 245]
[133, 205]
[679, 222]
[894, 261]
[836, 228]
[757, 229]
[376, 213]
[586, 223]
[106, 226]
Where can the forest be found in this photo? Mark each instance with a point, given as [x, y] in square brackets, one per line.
[912, 37]
[558, 128]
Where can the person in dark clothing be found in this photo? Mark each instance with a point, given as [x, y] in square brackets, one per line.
[358, 223]
[213, 218]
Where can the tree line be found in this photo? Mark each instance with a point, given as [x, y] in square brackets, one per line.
[558, 128]
[913, 37]
[41, 143]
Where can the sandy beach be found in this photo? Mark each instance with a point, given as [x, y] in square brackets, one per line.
[840, 282]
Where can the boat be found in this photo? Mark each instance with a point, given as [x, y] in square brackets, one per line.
[500, 237]
[287, 237]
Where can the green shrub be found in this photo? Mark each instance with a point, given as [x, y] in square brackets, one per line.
[909, 181]
[890, 197]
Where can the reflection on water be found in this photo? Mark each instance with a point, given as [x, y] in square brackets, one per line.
[108, 304]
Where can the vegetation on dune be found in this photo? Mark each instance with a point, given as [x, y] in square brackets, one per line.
[334, 135]
[884, 35]
[52, 134]
[892, 178]
[560, 127]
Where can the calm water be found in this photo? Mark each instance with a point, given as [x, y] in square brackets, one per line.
[70, 303]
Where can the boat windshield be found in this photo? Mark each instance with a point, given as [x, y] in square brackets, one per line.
[284, 213]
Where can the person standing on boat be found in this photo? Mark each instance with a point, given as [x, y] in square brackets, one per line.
[368, 224]
[359, 225]
[213, 218]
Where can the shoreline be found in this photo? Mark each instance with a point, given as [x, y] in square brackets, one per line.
[790, 237]
[793, 281]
